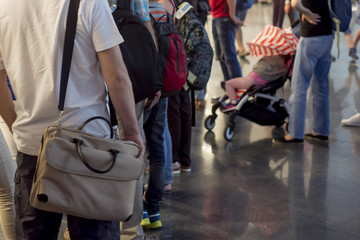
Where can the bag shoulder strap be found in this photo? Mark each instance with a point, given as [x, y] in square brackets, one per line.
[68, 49]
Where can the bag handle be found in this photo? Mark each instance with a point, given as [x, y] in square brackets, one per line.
[98, 117]
[78, 143]
[70, 31]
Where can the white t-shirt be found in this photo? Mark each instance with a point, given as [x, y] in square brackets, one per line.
[31, 48]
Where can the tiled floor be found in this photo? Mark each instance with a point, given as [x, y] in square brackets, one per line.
[249, 189]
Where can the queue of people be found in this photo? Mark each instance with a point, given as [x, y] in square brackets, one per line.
[32, 59]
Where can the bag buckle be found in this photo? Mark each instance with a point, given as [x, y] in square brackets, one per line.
[60, 114]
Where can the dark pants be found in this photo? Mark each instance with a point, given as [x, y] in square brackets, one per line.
[35, 224]
[154, 126]
[179, 119]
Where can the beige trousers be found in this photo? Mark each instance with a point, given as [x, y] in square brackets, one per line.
[132, 230]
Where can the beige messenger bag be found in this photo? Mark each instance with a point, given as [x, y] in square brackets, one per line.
[87, 176]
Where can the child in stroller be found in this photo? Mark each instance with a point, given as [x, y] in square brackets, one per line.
[267, 69]
[259, 102]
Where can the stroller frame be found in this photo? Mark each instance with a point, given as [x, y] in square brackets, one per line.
[259, 104]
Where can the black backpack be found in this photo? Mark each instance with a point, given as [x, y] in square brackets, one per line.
[139, 53]
[197, 45]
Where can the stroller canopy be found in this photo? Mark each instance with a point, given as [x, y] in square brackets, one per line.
[273, 41]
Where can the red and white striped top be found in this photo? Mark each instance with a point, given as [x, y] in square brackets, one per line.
[273, 41]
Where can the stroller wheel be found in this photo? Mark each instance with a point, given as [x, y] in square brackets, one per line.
[229, 132]
[209, 122]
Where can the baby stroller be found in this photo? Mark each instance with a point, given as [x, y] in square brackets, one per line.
[259, 104]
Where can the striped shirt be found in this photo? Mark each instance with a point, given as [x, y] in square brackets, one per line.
[158, 11]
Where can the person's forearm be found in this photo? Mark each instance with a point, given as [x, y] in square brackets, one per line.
[297, 5]
[232, 7]
[120, 89]
[7, 110]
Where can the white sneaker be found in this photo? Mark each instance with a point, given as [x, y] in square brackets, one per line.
[176, 167]
[354, 121]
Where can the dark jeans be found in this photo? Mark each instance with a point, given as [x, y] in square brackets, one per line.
[36, 224]
[224, 30]
[154, 126]
[179, 121]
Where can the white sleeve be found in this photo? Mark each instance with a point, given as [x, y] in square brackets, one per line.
[101, 25]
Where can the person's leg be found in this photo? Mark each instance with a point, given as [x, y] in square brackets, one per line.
[132, 228]
[173, 115]
[185, 133]
[352, 49]
[81, 228]
[219, 54]
[293, 15]
[320, 89]
[31, 223]
[154, 132]
[238, 83]
[239, 35]
[356, 38]
[168, 154]
[278, 13]
[305, 61]
[227, 44]
[7, 208]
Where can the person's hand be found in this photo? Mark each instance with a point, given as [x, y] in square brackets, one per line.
[236, 21]
[311, 17]
[139, 141]
[152, 100]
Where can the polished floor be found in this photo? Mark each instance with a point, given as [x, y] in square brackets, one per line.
[249, 189]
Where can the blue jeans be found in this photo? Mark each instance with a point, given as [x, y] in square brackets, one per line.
[224, 30]
[312, 65]
[154, 125]
[36, 224]
[168, 153]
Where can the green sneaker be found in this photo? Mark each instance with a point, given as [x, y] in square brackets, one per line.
[155, 225]
[154, 221]
[146, 220]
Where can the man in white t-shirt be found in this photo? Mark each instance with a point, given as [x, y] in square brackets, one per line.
[31, 49]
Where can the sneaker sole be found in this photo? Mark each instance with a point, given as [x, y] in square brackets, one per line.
[155, 225]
